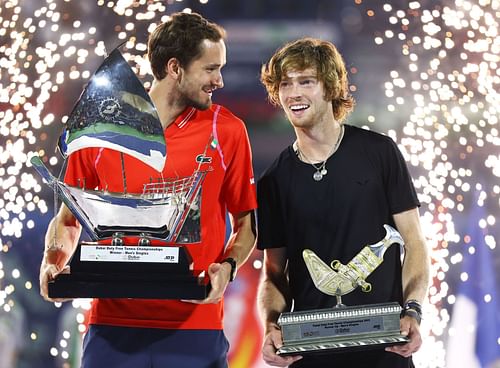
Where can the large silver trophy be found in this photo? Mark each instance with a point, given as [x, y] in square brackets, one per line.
[136, 241]
[343, 327]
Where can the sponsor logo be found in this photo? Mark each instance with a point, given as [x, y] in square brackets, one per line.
[203, 159]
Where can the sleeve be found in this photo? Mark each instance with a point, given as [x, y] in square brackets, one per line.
[400, 191]
[270, 222]
[81, 171]
[238, 189]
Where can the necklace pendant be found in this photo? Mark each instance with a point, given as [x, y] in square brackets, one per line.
[324, 171]
[317, 176]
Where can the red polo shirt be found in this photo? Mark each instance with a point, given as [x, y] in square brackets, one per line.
[228, 186]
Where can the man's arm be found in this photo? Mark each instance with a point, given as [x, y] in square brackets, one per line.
[242, 240]
[60, 242]
[415, 275]
[239, 246]
[274, 298]
[416, 261]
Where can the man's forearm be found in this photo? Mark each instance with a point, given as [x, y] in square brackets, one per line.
[61, 238]
[271, 302]
[242, 240]
[416, 273]
[415, 276]
[274, 295]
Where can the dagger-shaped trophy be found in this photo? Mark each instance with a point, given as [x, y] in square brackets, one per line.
[343, 328]
[136, 240]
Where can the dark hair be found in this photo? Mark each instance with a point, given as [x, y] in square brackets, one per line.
[311, 53]
[180, 37]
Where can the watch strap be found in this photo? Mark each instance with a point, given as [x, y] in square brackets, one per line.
[412, 308]
[233, 264]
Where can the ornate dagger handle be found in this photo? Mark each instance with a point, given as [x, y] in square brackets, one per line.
[341, 279]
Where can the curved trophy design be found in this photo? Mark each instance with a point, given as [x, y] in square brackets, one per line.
[341, 279]
[344, 328]
[160, 211]
[136, 239]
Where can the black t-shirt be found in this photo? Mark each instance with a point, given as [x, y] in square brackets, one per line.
[367, 182]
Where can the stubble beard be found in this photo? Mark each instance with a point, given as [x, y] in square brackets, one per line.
[191, 102]
[186, 99]
[299, 122]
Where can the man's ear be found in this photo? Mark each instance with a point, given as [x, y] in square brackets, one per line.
[173, 68]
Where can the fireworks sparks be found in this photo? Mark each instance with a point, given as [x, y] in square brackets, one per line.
[45, 46]
[446, 89]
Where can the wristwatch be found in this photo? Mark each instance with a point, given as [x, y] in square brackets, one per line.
[232, 262]
[413, 309]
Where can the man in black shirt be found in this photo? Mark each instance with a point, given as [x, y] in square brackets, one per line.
[332, 191]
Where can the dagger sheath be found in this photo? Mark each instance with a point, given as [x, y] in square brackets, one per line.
[341, 279]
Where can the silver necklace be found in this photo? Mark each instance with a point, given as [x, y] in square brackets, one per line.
[321, 168]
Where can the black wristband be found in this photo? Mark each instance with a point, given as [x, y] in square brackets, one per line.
[413, 304]
[232, 262]
[413, 309]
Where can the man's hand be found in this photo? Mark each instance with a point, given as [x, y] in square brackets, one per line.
[409, 327]
[219, 274]
[49, 270]
[61, 240]
[272, 342]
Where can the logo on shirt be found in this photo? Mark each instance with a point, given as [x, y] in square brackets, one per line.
[202, 159]
[252, 181]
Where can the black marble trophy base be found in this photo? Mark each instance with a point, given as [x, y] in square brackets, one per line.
[140, 280]
[102, 286]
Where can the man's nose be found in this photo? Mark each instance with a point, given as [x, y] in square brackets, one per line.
[295, 90]
[218, 81]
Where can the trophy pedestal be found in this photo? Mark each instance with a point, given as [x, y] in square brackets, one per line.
[142, 272]
[341, 329]
[103, 286]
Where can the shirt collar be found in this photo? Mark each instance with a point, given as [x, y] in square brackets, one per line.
[185, 117]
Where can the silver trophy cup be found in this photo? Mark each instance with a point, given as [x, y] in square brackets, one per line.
[136, 246]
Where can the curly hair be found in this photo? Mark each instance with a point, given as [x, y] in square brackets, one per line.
[311, 53]
[181, 38]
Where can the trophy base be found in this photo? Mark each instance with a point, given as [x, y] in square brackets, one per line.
[124, 271]
[71, 286]
[341, 329]
[342, 346]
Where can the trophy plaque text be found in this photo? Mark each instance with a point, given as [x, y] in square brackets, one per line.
[144, 272]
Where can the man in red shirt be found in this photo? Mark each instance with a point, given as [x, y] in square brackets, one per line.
[187, 54]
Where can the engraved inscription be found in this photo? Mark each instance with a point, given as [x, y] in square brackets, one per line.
[341, 327]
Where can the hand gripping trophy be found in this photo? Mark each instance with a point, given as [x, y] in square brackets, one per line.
[342, 327]
[129, 233]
